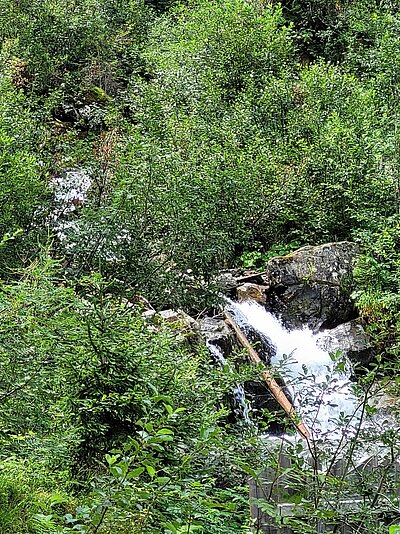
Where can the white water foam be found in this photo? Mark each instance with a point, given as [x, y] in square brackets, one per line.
[321, 391]
[70, 190]
[238, 392]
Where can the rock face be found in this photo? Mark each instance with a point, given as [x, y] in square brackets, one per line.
[312, 285]
[217, 332]
[262, 403]
[350, 338]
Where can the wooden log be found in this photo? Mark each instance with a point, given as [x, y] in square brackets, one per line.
[272, 385]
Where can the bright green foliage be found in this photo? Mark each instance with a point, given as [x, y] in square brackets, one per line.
[319, 26]
[184, 195]
[216, 134]
[22, 495]
[60, 44]
[83, 375]
[216, 50]
[150, 489]
[378, 280]
[22, 190]
[223, 144]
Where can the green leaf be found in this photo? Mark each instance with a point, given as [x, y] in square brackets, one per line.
[164, 431]
[135, 473]
[111, 459]
[151, 471]
[172, 529]
[162, 480]
[149, 427]
[169, 408]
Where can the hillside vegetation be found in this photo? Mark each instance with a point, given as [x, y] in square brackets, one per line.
[215, 133]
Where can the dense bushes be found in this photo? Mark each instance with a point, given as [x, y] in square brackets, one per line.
[94, 375]
[214, 133]
[209, 139]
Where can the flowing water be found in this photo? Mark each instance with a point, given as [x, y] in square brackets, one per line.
[70, 189]
[320, 387]
[239, 396]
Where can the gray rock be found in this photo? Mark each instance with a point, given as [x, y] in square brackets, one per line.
[217, 332]
[350, 338]
[227, 281]
[313, 285]
[149, 314]
[170, 316]
[177, 316]
[186, 327]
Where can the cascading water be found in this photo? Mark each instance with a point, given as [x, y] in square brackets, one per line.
[70, 189]
[321, 389]
[238, 393]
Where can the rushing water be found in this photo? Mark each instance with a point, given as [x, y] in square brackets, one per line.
[70, 190]
[238, 393]
[321, 388]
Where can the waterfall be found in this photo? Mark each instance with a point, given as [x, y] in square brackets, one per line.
[238, 393]
[321, 388]
[70, 189]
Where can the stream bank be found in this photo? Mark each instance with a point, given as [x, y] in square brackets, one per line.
[300, 308]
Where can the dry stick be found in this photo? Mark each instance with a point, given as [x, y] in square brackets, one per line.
[273, 386]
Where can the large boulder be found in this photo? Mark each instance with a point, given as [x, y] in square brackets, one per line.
[312, 285]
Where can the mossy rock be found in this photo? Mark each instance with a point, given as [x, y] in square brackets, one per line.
[95, 95]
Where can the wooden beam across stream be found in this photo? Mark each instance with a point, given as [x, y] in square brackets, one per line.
[270, 381]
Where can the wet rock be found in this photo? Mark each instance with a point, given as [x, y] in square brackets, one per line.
[261, 343]
[313, 285]
[350, 338]
[217, 332]
[250, 291]
[229, 280]
[264, 406]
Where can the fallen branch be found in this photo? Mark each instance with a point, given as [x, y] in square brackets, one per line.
[272, 385]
